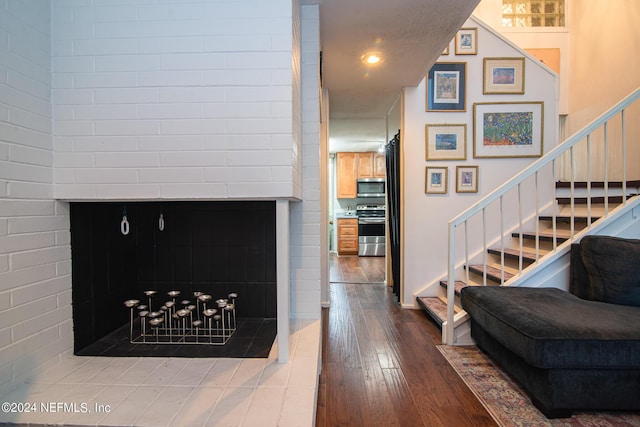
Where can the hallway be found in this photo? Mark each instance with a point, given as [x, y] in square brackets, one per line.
[356, 269]
[380, 366]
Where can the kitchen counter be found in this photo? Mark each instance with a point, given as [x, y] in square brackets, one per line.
[344, 215]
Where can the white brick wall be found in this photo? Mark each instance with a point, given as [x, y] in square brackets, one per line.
[168, 91]
[305, 216]
[149, 101]
[35, 282]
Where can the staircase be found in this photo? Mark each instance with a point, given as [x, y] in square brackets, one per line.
[524, 226]
[525, 248]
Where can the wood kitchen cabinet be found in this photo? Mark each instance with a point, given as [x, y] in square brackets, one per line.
[347, 236]
[371, 165]
[347, 174]
[365, 165]
[379, 166]
[351, 166]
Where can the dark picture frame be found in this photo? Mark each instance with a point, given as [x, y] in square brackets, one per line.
[447, 87]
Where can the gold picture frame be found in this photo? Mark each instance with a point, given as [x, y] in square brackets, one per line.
[467, 179]
[446, 141]
[436, 180]
[508, 129]
[503, 76]
[466, 41]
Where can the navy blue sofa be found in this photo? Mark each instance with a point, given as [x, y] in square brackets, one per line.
[576, 350]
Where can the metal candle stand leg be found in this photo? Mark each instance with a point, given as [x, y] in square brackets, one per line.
[132, 304]
[188, 325]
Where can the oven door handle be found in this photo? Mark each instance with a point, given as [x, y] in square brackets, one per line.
[371, 220]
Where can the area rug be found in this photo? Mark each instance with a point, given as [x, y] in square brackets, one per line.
[508, 404]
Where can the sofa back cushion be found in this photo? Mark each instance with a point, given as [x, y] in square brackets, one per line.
[613, 268]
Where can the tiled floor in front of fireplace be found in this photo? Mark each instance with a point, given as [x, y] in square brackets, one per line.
[135, 391]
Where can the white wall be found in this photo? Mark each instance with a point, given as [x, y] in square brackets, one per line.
[605, 68]
[35, 266]
[175, 100]
[426, 216]
[490, 12]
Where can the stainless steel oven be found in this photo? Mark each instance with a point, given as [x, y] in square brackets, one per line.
[371, 187]
[371, 230]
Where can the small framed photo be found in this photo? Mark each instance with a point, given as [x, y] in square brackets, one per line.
[447, 86]
[466, 179]
[508, 129]
[436, 180]
[503, 76]
[466, 41]
[445, 52]
[446, 142]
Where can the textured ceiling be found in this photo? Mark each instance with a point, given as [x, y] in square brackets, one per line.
[410, 34]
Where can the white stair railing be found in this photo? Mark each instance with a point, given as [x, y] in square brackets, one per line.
[540, 178]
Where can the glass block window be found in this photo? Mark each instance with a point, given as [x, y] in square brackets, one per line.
[532, 13]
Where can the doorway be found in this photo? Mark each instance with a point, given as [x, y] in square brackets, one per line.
[368, 216]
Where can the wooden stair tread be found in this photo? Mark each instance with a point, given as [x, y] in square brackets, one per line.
[594, 200]
[494, 274]
[597, 184]
[457, 286]
[546, 236]
[515, 254]
[435, 307]
[567, 219]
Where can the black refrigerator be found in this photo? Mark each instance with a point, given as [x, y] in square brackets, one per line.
[393, 208]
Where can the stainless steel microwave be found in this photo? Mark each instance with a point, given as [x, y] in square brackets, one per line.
[371, 187]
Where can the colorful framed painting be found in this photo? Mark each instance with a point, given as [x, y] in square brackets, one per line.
[508, 129]
[503, 76]
[446, 142]
[447, 86]
[466, 179]
[466, 41]
[436, 180]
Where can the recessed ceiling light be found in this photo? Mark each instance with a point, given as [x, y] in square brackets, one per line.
[372, 58]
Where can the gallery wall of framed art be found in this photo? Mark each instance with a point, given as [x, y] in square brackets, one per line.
[478, 107]
[442, 175]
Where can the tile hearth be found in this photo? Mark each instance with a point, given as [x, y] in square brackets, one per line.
[161, 391]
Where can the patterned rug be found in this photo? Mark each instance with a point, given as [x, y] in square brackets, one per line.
[508, 404]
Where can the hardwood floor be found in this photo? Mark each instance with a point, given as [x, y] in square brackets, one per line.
[356, 269]
[381, 367]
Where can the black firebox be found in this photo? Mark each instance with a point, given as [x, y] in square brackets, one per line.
[210, 247]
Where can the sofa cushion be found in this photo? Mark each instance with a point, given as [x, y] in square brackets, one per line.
[610, 262]
[550, 328]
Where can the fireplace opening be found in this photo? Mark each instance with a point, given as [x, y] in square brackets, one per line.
[121, 251]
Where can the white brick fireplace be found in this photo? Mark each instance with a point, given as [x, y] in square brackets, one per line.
[153, 100]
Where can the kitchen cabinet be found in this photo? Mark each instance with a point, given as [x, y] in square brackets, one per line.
[365, 165]
[351, 166]
[347, 174]
[379, 166]
[347, 236]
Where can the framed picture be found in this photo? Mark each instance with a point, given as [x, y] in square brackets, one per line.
[436, 180]
[446, 142]
[466, 179]
[445, 51]
[447, 86]
[467, 41]
[503, 75]
[508, 129]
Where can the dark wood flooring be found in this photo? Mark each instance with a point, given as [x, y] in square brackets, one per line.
[381, 367]
[356, 269]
